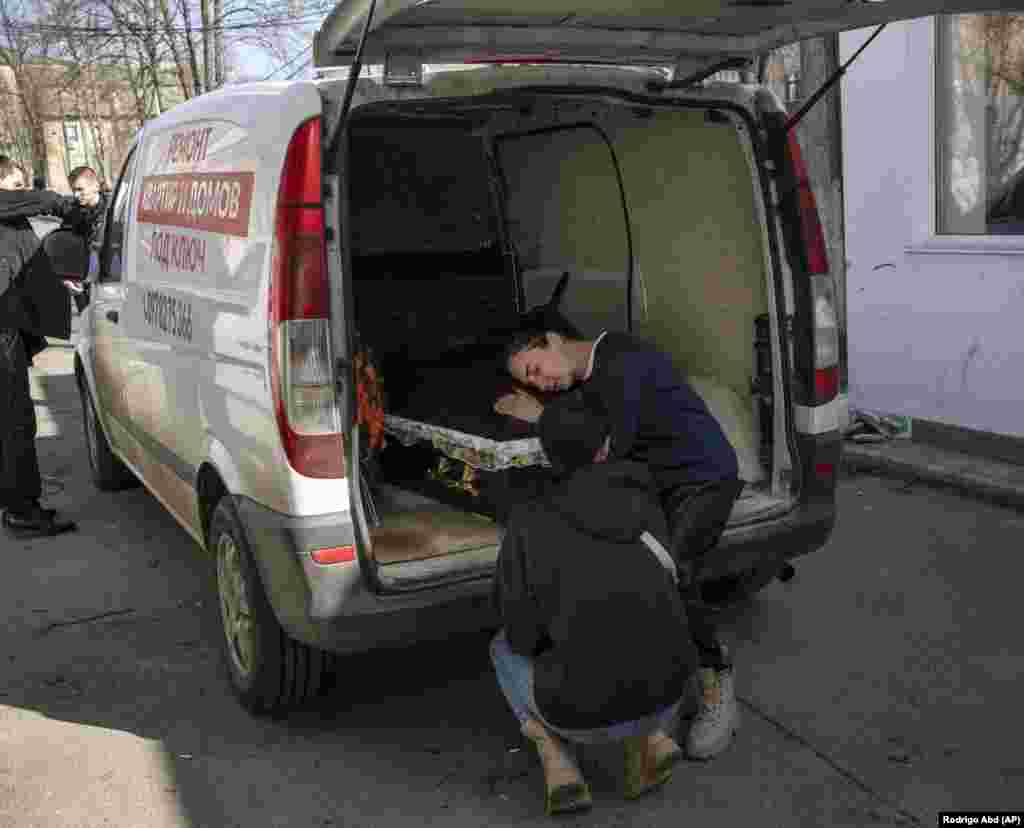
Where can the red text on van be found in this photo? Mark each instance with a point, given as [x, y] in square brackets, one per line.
[175, 252]
[188, 147]
[216, 202]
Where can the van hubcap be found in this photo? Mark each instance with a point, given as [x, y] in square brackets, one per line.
[235, 608]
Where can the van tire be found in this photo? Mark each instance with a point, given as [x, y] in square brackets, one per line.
[270, 672]
[109, 474]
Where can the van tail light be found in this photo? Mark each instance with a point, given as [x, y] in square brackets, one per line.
[810, 222]
[823, 291]
[301, 361]
[826, 338]
[825, 472]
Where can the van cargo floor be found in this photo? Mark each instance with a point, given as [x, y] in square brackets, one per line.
[413, 527]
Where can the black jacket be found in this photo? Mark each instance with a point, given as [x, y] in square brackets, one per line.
[86, 222]
[656, 417]
[582, 595]
[32, 299]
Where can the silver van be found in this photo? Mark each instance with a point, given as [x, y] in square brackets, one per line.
[294, 333]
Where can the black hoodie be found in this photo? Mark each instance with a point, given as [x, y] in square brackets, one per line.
[591, 603]
[31, 297]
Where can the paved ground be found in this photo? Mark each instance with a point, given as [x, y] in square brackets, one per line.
[879, 687]
[981, 477]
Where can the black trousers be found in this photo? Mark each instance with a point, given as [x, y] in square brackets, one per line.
[697, 515]
[20, 481]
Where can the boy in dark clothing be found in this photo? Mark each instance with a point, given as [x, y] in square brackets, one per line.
[24, 314]
[85, 215]
[658, 420]
[592, 618]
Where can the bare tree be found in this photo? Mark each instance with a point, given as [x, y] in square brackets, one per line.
[151, 41]
[188, 36]
[177, 48]
[218, 42]
[22, 50]
[991, 68]
[98, 69]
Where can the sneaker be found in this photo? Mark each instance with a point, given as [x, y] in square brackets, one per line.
[38, 522]
[717, 717]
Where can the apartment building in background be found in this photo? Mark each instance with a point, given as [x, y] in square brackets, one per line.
[58, 116]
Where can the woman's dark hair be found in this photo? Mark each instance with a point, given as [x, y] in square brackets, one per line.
[524, 340]
[572, 428]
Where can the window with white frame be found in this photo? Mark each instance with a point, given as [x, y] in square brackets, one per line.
[72, 133]
[979, 98]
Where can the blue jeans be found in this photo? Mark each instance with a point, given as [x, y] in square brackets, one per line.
[515, 677]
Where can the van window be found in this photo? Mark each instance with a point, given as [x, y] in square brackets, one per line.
[422, 189]
[429, 271]
[565, 210]
[113, 241]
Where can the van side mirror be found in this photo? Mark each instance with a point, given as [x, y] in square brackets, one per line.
[68, 253]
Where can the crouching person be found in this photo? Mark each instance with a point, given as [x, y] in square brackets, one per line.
[590, 651]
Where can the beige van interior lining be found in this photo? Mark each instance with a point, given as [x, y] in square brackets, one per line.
[700, 278]
[698, 264]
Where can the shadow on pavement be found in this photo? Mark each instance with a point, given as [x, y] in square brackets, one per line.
[117, 628]
[113, 671]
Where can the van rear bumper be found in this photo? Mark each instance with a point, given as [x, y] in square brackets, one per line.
[331, 607]
[806, 528]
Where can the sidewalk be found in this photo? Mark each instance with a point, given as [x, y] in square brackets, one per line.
[981, 477]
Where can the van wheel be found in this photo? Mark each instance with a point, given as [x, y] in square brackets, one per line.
[109, 474]
[269, 671]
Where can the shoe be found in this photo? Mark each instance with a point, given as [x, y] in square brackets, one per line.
[649, 762]
[39, 523]
[717, 715]
[565, 790]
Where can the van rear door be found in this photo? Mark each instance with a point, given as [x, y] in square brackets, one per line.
[679, 33]
[684, 35]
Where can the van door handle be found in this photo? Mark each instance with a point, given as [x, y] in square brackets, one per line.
[113, 316]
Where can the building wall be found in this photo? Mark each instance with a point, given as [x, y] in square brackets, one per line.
[14, 141]
[936, 325]
[100, 102]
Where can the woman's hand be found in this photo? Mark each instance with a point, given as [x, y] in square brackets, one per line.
[521, 405]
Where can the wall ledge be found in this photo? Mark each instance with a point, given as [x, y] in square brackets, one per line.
[961, 246]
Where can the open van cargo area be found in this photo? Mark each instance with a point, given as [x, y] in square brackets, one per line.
[465, 213]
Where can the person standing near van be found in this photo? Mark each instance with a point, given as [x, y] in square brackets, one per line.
[20, 480]
[84, 215]
[659, 420]
[589, 651]
[87, 213]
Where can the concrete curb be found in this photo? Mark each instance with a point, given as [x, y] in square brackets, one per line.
[999, 483]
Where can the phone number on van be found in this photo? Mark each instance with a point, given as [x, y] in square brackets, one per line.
[168, 313]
